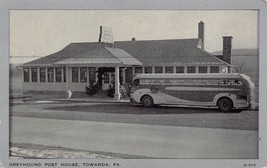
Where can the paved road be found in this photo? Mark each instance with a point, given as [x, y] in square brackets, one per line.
[136, 139]
[126, 113]
[163, 132]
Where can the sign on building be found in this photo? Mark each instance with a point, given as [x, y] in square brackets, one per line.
[106, 35]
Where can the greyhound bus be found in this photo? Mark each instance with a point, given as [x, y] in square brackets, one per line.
[227, 91]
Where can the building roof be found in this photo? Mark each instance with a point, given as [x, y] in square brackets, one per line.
[101, 56]
[70, 51]
[148, 52]
[169, 52]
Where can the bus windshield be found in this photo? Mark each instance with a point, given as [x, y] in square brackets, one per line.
[136, 82]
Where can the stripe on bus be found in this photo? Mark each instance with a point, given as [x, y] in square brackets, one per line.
[199, 89]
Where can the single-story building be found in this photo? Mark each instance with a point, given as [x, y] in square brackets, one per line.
[80, 64]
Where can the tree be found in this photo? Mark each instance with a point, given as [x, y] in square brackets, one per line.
[239, 66]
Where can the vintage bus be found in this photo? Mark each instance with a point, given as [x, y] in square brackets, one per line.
[227, 91]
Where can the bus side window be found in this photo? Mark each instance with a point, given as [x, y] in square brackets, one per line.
[156, 82]
[188, 82]
[176, 82]
[167, 82]
[200, 82]
[224, 82]
[212, 82]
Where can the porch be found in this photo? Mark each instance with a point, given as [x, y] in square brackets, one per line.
[104, 68]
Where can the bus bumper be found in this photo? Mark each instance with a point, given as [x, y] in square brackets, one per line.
[242, 104]
[132, 99]
[254, 105]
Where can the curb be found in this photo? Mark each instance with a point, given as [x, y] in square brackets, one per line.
[53, 101]
[94, 100]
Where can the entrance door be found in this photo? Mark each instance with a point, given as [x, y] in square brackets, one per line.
[108, 79]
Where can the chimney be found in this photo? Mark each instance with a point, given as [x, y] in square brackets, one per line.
[201, 32]
[227, 48]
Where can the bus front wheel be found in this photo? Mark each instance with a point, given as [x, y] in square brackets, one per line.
[225, 105]
[147, 101]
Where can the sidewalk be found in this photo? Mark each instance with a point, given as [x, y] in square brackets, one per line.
[46, 97]
[27, 151]
[72, 100]
[95, 100]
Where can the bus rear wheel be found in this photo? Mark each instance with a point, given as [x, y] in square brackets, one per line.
[147, 101]
[225, 105]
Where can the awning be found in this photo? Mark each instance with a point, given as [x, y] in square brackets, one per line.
[102, 56]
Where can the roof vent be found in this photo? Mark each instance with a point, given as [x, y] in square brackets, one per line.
[133, 39]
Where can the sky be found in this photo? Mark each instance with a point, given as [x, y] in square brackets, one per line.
[42, 32]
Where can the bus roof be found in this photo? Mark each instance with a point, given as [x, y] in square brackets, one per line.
[193, 75]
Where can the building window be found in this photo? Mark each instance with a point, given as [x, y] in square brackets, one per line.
[169, 69]
[180, 69]
[34, 74]
[214, 69]
[50, 74]
[42, 74]
[64, 74]
[202, 69]
[58, 74]
[26, 74]
[148, 69]
[106, 78]
[74, 74]
[83, 74]
[158, 69]
[138, 70]
[191, 69]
